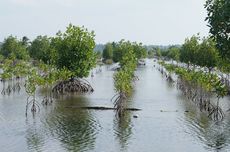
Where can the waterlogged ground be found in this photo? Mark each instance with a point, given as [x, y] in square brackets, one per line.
[162, 125]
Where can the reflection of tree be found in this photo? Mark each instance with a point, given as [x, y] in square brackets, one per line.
[76, 129]
[123, 129]
[34, 137]
[215, 135]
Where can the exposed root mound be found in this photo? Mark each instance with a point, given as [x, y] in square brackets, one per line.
[73, 85]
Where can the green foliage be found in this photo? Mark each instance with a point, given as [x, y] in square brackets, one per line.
[25, 41]
[151, 53]
[14, 49]
[75, 50]
[122, 83]
[223, 65]
[98, 54]
[12, 68]
[119, 50]
[208, 54]
[202, 53]
[139, 50]
[63, 74]
[218, 19]
[128, 62]
[158, 52]
[108, 51]
[1, 58]
[33, 81]
[174, 53]
[189, 50]
[41, 49]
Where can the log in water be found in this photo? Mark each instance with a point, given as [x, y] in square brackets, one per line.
[102, 108]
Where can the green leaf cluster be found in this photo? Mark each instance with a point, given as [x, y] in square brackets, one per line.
[75, 50]
[218, 17]
[14, 49]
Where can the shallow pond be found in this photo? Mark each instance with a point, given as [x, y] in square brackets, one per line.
[161, 126]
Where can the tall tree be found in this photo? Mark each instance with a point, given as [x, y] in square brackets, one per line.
[25, 41]
[219, 23]
[174, 53]
[139, 50]
[189, 50]
[108, 51]
[75, 50]
[41, 49]
[208, 54]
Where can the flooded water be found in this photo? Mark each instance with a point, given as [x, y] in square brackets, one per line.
[163, 124]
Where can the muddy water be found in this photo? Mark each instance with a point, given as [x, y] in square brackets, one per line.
[162, 125]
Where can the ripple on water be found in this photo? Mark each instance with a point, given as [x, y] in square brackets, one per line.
[123, 129]
[76, 130]
[213, 135]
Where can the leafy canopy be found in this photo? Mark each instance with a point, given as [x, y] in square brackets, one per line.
[13, 48]
[75, 50]
[108, 51]
[219, 23]
[41, 49]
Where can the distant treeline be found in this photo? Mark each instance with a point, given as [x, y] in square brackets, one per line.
[100, 47]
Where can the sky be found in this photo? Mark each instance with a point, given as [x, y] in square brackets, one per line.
[157, 22]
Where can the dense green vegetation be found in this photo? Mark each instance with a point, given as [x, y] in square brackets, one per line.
[14, 49]
[41, 49]
[218, 18]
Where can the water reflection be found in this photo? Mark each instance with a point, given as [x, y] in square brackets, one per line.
[123, 130]
[76, 129]
[34, 136]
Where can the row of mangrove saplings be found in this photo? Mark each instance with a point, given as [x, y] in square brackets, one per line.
[123, 79]
[199, 87]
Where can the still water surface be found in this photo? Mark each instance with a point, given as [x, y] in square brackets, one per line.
[162, 125]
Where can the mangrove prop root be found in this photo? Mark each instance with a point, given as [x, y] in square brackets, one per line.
[3, 92]
[33, 103]
[197, 95]
[200, 98]
[47, 100]
[9, 90]
[135, 78]
[119, 101]
[73, 85]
